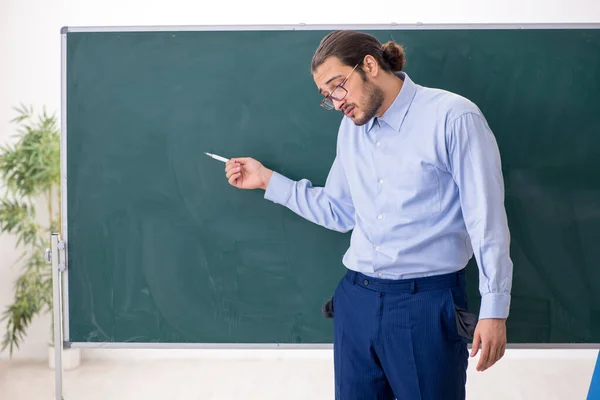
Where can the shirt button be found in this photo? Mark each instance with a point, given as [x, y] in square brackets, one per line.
[380, 274]
[378, 144]
[381, 181]
[377, 248]
[380, 216]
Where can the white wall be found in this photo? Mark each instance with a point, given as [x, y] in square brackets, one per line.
[30, 52]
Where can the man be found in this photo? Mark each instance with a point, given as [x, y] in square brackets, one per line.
[417, 177]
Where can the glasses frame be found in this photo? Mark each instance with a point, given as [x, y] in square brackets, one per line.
[327, 102]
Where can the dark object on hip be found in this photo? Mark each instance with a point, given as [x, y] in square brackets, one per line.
[465, 322]
[327, 309]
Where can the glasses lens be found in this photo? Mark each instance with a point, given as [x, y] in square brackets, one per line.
[338, 93]
[327, 104]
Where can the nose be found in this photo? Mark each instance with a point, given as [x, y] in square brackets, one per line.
[339, 104]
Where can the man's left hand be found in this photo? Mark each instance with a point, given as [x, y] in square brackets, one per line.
[491, 335]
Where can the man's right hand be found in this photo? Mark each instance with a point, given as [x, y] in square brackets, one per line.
[247, 173]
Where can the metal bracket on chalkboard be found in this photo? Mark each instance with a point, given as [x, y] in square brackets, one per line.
[62, 259]
[61, 248]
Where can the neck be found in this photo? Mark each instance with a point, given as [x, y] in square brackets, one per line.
[390, 85]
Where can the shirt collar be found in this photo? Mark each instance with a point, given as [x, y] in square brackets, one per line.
[394, 115]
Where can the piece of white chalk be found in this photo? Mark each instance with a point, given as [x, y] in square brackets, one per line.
[216, 157]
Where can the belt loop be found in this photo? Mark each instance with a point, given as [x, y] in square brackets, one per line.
[354, 273]
[413, 287]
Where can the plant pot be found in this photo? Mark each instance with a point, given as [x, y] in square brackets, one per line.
[71, 358]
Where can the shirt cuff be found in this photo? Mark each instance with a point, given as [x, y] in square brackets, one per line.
[279, 189]
[494, 305]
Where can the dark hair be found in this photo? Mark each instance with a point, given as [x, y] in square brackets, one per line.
[351, 47]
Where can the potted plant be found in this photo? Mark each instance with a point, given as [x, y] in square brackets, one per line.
[30, 172]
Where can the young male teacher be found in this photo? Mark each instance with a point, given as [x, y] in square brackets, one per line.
[417, 177]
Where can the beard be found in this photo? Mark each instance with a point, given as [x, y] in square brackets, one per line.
[372, 100]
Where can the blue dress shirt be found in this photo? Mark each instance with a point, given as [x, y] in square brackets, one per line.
[422, 189]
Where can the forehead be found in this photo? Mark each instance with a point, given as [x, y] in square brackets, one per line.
[331, 68]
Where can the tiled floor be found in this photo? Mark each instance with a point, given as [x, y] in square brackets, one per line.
[220, 379]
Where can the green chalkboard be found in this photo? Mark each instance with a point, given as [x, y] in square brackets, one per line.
[162, 250]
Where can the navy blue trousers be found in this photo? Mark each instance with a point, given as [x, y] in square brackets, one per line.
[399, 339]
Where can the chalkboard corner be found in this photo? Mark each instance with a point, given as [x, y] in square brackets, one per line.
[64, 30]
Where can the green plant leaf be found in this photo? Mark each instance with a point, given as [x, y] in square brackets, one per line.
[24, 113]
[29, 167]
[19, 218]
[32, 165]
[33, 292]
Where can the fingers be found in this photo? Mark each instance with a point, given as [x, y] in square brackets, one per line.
[233, 172]
[490, 355]
[484, 359]
[476, 343]
[240, 160]
[231, 164]
[493, 360]
[237, 169]
[233, 179]
[499, 354]
[499, 349]
[232, 167]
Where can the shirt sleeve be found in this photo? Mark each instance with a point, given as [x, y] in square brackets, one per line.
[329, 206]
[476, 167]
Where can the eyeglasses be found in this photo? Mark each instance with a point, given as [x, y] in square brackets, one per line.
[337, 94]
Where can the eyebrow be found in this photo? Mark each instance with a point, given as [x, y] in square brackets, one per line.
[329, 81]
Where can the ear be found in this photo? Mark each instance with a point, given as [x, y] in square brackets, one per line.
[370, 66]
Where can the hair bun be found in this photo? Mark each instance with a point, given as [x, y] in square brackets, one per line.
[393, 54]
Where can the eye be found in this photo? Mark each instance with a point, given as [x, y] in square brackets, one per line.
[333, 87]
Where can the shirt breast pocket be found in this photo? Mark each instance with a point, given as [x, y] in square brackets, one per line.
[417, 194]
